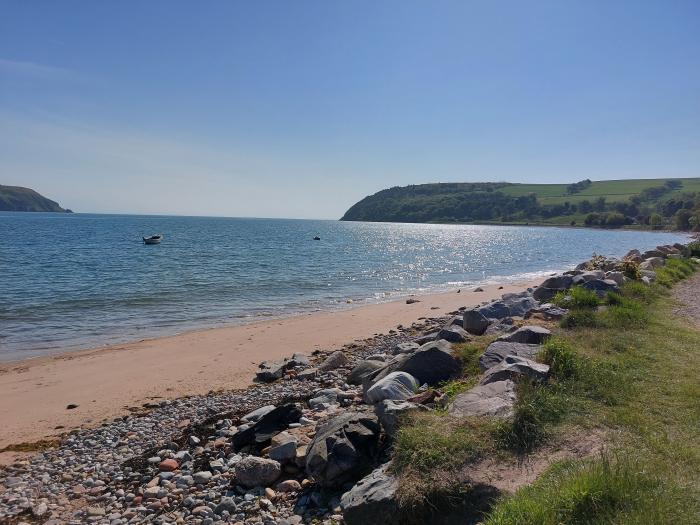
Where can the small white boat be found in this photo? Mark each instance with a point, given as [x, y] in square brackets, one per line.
[153, 239]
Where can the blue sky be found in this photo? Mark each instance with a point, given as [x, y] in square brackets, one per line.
[299, 109]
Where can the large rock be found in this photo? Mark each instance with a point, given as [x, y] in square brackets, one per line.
[512, 367]
[362, 369]
[253, 471]
[433, 363]
[493, 399]
[495, 310]
[454, 334]
[395, 386]
[270, 371]
[372, 500]
[343, 449]
[585, 277]
[519, 304]
[652, 253]
[618, 277]
[652, 263]
[550, 287]
[391, 412]
[531, 335]
[548, 312]
[407, 347]
[602, 286]
[499, 350]
[259, 434]
[475, 322]
[333, 361]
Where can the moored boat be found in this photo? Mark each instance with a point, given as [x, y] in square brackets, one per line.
[153, 239]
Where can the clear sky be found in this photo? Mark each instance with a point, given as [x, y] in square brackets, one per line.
[301, 108]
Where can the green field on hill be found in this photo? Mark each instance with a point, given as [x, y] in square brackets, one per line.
[635, 203]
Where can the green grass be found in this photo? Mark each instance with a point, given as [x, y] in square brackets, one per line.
[610, 490]
[612, 190]
[576, 298]
[634, 374]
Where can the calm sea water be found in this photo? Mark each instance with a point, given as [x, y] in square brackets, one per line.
[78, 281]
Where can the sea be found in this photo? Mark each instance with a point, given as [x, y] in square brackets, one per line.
[77, 281]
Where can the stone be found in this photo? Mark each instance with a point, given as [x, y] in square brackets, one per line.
[283, 447]
[433, 363]
[652, 263]
[253, 471]
[474, 322]
[343, 449]
[426, 338]
[270, 371]
[168, 465]
[547, 312]
[454, 334]
[227, 504]
[519, 306]
[372, 500]
[405, 348]
[495, 310]
[260, 433]
[499, 350]
[601, 286]
[255, 415]
[618, 277]
[365, 368]
[396, 386]
[531, 335]
[512, 367]
[493, 399]
[653, 254]
[333, 361]
[289, 485]
[324, 398]
[307, 375]
[391, 412]
[202, 477]
[550, 287]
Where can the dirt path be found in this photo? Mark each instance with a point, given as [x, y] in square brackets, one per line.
[688, 293]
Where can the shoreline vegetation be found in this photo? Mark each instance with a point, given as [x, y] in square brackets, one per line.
[653, 204]
[574, 401]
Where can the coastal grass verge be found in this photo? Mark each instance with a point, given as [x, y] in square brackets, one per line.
[635, 374]
[629, 370]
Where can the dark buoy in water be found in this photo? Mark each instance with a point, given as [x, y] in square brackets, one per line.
[317, 238]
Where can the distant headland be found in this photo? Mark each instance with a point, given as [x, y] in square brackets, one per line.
[638, 203]
[17, 198]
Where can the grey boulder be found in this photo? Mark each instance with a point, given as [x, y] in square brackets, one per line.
[601, 286]
[394, 386]
[253, 471]
[550, 287]
[406, 348]
[512, 367]
[363, 369]
[343, 449]
[391, 412]
[499, 350]
[531, 335]
[474, 322]
[493, 399]
[454, 334]
[333, 361]
[372, 500]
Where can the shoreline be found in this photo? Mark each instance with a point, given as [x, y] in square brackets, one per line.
[106, 382]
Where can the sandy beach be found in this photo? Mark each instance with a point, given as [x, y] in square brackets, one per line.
[105, 382]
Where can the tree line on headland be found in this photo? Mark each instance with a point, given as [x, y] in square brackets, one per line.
[650, 203]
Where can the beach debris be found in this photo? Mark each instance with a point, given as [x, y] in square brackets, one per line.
[410, 300]
[71, 406]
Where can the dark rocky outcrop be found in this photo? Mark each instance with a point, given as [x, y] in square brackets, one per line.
[372, 500]
[475, 322]
[512, 367]
[454, 334]
[551, 286]
[390, 413]
[493, 399]
[363, 369]
[532, 335]
[343, 449]
[499, 350]
[602, 286]
[260, 433]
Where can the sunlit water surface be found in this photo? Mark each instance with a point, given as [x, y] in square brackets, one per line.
[78, 281]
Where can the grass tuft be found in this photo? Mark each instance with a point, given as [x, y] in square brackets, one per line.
[576, 298]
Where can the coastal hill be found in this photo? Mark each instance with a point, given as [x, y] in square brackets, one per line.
[17, 198]
[670, 203]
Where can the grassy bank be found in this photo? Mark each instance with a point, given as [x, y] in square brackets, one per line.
[627, 369]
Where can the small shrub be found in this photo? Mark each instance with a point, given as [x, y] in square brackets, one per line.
[469, 354]
[562, 360]
[639, 291]
[580, 319]
[631, 270]
[576, 298]
[694, 248]
[536, 409]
